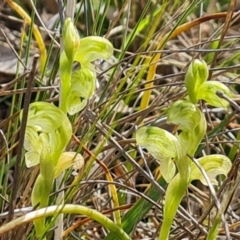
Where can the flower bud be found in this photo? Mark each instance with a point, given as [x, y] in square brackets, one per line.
[71, 39]
[196, 75]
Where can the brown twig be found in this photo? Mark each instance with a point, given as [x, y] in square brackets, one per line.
[17, 174]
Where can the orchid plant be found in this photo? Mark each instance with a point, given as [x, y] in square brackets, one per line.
[48, 128]
[174, 151]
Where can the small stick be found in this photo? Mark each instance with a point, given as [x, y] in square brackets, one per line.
[228, 99]
[27, 100]
[61, 14]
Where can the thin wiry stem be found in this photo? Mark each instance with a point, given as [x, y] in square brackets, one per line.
[17, 172]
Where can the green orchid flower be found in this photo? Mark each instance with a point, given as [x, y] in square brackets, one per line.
[77, 87]
[48, 128]
[172, 151]
[200, 89]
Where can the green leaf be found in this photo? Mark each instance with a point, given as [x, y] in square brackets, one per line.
[163, 146]
[196, 75]
[214, 165]
[208, 91]
[139, 209]
[142, 24]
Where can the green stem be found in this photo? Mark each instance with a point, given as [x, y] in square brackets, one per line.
[175, 192]
[66, 209]
[41, 191]
[65, 80]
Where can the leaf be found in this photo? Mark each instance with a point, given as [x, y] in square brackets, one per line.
[196, 75]
[163, 146]
[142, 24]
[214, 165]
[208, 91]
[139, 209]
